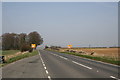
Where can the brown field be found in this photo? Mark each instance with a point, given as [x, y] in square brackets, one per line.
[102, 52]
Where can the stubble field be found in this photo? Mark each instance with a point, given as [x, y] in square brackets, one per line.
[101, 52]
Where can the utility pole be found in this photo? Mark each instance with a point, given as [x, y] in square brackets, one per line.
[89, 45]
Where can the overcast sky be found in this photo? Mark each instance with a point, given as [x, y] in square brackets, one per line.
[62, 23]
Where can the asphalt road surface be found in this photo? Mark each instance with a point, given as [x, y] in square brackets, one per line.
[54, 65]
[26, 68]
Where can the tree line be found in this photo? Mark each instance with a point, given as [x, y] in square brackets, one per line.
[22, 41]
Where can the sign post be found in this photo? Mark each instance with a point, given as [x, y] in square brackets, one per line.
[33, 46]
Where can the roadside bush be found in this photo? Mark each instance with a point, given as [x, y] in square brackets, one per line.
[92, 53]
[30, 50]
[25, 47]
[46, 47]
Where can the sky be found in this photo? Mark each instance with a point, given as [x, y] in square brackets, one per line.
[60, 0]
[64, 23]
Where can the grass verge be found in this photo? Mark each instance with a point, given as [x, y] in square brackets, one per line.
[103, 59]
[9, 52]
[13, 59]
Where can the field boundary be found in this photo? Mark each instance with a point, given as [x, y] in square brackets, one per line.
[99, 59]
[19, 57]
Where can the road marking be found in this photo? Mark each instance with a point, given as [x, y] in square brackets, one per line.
[97, 61]
[114, 77]
[73, 61]
[44, 66]
[46, 71]
[97, 71]
[63, 57]
[43, 62]
[49, 77]
[81, 65]
[54, 54]
[60, 56]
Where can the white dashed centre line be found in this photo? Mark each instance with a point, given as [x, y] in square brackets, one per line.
[72, 61]
[44, 66]
[81, 65]
[60, 56]
[49, 77]
[75, 63]
[63, 57]
[46, 71]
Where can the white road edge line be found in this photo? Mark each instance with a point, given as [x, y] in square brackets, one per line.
[81, 65]
[94, 60]
[73, 61]
[114, 77]
[98, 61]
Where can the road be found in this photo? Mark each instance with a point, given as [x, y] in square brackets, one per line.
[54, 65]
[26, 68]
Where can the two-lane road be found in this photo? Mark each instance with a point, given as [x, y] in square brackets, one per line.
[61, 65]
[55, 65]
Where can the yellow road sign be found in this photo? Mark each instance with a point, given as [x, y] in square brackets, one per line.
[69, 46]
[33, 45]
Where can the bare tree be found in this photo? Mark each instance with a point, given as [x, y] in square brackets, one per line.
[20, 41]
[7, 41]
[35, 38]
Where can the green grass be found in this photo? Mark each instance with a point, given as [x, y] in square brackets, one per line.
[103, 59]
[7, 52]
[0, 52]
[13, 59]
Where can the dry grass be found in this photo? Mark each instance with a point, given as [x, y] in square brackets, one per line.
[11, 53]
[14, 55]
[102, 52]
